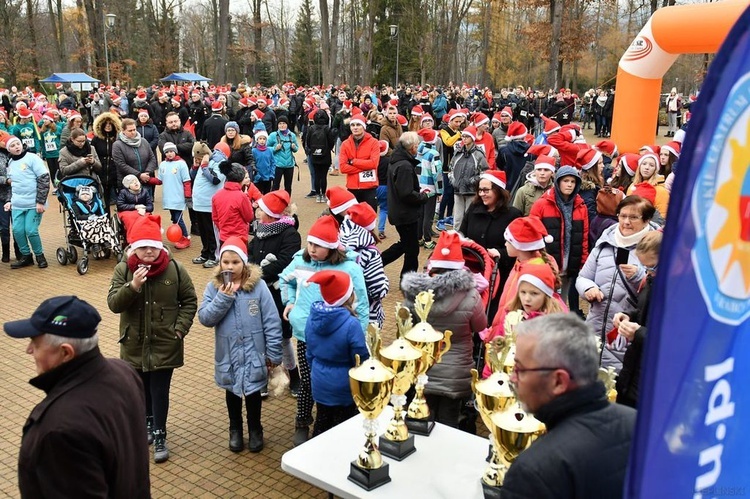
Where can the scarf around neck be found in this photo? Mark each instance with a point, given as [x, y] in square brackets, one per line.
[78, 152]
[134, 142]
[157, 267]
[264, 231]
[629, 241]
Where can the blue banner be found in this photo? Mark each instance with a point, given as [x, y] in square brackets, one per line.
[693, 431]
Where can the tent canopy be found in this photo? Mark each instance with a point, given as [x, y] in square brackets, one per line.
[185, 77]
[69, 78]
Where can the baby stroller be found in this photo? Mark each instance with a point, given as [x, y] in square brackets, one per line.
[95, 236]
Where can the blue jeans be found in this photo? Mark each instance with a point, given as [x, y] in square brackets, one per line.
[446, 203]
[312, 173]
[177, 218]
[26, 231]
[382, 196]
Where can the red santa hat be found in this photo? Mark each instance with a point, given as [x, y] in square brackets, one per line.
[527, 234]
[506, 111]
[217, 106]
[550, 125]
[655, 149]
[629, 162]
[455, 113]
[544, 163]
[540, 276]
[347, 104]
[516, 131]
[426, 117]
[116, 99]
[646, 191]
[672, 147]
[50, 115]
[335, 286]
[497, 177]
[480, 119]
[236, 244]
[653, 156]
[402, 120]
[448, 253]
[274, 203]
[393, 103]
[497, 117]
[384, 145]
[224, 148]
[417, 110]
[244, 102]
[146, 231]
[471, 131]
[176, 101]
[325, 232]
[143, 111]
[587, 158]
[607, 147]
[72, 115]
[542, 150]
[24, 113]
[363, 215]
[358, 118]
[429, 135]
[261, 100]
[339, 199]
[259, 114]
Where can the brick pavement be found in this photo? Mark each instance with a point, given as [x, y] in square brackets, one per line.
[200, 464]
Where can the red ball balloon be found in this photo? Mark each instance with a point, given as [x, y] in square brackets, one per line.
[174, 233]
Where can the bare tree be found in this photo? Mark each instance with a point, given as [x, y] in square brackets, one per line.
[221, 53]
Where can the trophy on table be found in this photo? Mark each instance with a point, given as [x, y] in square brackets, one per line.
[433, 345]
[371, 383]
[402, 358]
[511, 429]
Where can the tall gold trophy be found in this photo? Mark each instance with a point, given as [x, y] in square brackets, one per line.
[511, 429]
[371, 383]
[433, 345]
[402, 358]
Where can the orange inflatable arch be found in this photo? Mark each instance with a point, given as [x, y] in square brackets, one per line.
[671, 31]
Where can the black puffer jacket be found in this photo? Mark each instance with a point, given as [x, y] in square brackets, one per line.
[584, 453]
[458, 308]
[404, 197]
[630, 375]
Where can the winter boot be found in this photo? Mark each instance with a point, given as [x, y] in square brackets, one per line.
[236, 442]
[255, 444]
[24, 261]
[17, 250]
[41, 262]
[150, 429]
[6, 251]
[301, 435]
[294, 381]
[161, 452]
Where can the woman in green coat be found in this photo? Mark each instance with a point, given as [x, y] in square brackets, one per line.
[156, 301]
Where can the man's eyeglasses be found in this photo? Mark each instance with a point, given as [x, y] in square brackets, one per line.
[629, 218]
[520, 370]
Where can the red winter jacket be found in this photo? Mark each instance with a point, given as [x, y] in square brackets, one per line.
[231, 211]
[365, 156]
[563, 142]
[547, 210]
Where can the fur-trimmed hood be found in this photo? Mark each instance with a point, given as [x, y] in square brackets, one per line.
[443, 285]
[244, 139]
[255, 274]
[102, 119]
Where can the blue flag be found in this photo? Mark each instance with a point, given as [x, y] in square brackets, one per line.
[692, 436]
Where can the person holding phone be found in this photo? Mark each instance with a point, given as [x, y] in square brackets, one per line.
[78, 157]
[613, 271]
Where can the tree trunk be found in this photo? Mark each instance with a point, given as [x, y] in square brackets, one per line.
[257, 38]
[221, 52]
[368, 43]
[96, 32]
[331, 77]
[555, 63]
[325, 37]
[32, 40]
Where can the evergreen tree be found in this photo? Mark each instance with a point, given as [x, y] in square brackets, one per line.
[304, 63]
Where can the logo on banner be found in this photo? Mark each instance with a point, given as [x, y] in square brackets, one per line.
[639, 48]
[721, 210]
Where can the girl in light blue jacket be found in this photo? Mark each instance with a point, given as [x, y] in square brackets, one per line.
[248, 338]
[323, 252]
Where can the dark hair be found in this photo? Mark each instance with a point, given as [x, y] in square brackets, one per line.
[335, 256]
[642, 204]
[503, 198]
[171, 113]
[76, 132]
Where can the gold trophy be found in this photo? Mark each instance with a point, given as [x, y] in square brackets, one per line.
[608, 376]
[433, 345]
[512, 320]
[402, 358]
[371, 383]
[513, 431]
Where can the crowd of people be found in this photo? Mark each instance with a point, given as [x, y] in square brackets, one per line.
[561, 221]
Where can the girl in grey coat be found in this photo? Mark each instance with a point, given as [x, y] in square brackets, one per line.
[248, 338]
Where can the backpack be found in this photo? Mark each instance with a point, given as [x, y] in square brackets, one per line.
[317, 141]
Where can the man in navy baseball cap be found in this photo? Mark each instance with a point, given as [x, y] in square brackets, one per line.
[93, 410]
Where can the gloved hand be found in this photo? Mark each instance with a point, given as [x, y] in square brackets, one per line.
[268, 259]
[189, 203]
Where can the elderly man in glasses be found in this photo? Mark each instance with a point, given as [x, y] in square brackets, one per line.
[585, 451]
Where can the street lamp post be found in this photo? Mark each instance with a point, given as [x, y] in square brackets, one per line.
[109, 22]
[396, 34]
